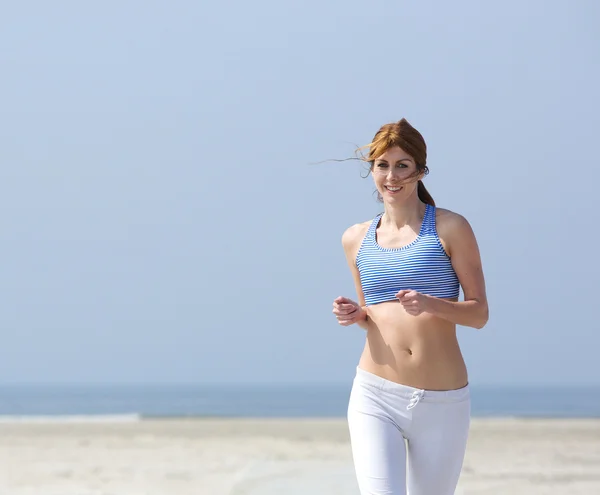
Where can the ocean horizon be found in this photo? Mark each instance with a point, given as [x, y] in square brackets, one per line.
[136, 402]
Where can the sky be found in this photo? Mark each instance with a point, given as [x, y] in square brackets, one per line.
[164, 218]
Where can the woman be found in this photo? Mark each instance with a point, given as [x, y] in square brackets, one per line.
[410, 401]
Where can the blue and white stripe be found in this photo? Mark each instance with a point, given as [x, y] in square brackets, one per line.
[422, 265]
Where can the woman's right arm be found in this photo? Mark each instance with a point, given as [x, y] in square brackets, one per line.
[351, 241]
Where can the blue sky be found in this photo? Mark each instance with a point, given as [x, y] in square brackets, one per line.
[163, 219]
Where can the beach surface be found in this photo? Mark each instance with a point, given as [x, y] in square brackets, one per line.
[274, 456]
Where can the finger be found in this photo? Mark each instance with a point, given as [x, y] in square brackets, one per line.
[410, 300]
[343, 305]
[345, 310]
[349, 321]
[354, 316]
[406, 294]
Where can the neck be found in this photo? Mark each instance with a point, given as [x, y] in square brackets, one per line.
[399, 215]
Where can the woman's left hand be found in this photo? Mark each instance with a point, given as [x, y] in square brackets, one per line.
[414, 302]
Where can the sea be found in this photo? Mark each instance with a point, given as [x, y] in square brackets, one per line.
[136, 402]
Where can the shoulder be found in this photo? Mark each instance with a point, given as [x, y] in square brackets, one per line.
[453, 228]
[450, 221]
[354, 235]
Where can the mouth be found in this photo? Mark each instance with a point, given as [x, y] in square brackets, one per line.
[393, 189]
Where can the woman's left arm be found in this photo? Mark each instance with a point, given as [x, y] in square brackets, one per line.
[459, 241]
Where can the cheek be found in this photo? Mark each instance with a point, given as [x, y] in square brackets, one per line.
[409, 176]
[410, 181]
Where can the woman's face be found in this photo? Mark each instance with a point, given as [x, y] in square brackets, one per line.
[394, 173]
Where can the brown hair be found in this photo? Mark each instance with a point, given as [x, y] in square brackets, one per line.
[405, 136]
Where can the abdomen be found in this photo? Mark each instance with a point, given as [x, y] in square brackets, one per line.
[420, 351]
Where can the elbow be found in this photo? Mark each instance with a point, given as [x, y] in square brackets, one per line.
[483, 318]
[480, 324]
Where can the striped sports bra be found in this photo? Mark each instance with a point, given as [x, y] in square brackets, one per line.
[422, 265]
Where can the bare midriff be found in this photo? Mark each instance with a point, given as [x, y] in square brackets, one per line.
[418, 351]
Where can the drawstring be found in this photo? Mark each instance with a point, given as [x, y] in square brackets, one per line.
[417, 395]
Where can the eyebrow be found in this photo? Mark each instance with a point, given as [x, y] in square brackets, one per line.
[397, 161]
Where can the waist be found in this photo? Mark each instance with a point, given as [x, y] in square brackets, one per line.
[407, 391]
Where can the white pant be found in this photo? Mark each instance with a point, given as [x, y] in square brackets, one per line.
[435, 424]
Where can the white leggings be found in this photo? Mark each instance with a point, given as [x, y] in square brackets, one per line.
[435, 424]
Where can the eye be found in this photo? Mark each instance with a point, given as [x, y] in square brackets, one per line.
[381, 165]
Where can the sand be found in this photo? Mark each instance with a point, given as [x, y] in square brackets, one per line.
[268, 456]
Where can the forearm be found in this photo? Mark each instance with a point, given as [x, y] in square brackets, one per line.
[472, 313]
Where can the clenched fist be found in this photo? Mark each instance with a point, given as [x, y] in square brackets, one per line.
[414, 302]
[348, 311]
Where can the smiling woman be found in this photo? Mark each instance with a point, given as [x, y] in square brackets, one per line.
[404, 144]
[411, 381]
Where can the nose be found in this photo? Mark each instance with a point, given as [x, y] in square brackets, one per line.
[395, 171]
[394, 174]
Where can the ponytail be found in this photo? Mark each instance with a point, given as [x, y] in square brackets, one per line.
[424, 194]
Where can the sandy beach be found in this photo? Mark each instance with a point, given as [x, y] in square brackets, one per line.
[268, 456]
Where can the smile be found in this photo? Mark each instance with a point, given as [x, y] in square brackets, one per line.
[393, 189]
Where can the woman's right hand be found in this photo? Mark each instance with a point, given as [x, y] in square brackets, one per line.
[348, 311]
